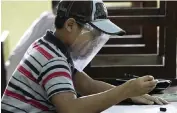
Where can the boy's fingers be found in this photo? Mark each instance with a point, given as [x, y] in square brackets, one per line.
[148, 78]
[163, 101]
[151, 83]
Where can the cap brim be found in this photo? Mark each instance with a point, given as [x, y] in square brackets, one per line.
[106, 26]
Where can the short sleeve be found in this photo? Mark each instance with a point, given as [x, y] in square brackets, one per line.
[56, 77]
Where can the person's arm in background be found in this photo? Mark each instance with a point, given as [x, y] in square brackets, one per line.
[35, 31]
[91, 86]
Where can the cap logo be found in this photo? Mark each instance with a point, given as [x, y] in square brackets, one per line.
[101, 11]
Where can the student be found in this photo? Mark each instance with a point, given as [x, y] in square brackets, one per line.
[50, 73]
[35, 31]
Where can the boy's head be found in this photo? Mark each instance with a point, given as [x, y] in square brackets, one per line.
[73, 15]
[84, 26]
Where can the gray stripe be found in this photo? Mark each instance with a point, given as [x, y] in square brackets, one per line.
[20, 104]
[32, 58]
[53, 46]
[59, 91]
[60, 79]
[45, 72]
[11, 108]
[56, 84]
[29, 89]
[23, 78]
[40, 57]
[56, 61]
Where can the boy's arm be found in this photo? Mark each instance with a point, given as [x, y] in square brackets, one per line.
[85, 85]
[68, 103]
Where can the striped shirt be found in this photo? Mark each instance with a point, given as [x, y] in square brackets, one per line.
[45, 70]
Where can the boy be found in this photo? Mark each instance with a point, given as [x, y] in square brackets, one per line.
[46, 80]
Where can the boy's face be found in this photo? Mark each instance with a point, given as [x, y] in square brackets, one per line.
[73, 30]
[82, 38]
[86, 41]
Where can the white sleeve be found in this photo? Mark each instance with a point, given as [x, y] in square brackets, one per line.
[36, 30]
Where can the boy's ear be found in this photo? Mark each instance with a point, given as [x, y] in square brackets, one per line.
[69, 24]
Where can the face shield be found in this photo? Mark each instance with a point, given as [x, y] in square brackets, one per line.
[86, 46]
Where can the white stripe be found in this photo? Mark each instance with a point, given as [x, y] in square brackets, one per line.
[56, 80]
[30, 70]
[65, 62]
[54, 63]
[29, 90]
[58, 51]
[62, 92]
[57, 70]
[33, 62]
[12, 109]
[38, 56]
[30, 83]
[59, 87]
[55, 48]
[53, 71]
[13, 90]
[20, 104]
[59, 59]
[20, 75]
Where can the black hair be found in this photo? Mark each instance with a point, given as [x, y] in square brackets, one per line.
[59, 22]
[60, 18]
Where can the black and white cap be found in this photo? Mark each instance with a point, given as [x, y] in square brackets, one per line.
[93, 12]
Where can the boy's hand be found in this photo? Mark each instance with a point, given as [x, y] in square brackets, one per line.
[140, 86]
[148, 99]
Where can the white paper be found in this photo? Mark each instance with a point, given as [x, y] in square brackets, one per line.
[171, 108]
